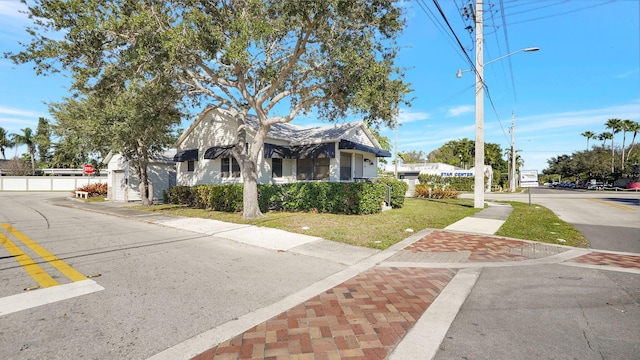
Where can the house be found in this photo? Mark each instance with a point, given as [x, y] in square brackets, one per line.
[123, 183]
[340, 152]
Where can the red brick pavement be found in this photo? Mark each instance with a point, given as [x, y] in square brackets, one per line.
[482, 248]
[600, 258]
[362, 318]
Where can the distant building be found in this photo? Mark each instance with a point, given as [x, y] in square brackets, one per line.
[410, 172]
[124, 185]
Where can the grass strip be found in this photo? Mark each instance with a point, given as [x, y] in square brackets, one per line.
[538, 223]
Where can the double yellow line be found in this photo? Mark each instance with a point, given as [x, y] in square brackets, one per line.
[30, 266]
[617, 206]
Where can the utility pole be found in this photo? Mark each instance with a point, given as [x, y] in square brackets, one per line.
[396, 145]
[512, 182]
[478, 191]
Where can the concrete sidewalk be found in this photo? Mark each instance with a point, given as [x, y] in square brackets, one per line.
[405, 302]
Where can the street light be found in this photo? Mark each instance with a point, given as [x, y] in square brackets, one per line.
[478, 190]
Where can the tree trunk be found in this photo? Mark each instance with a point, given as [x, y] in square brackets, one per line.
[146, 198]
[250, 207]
[33, 161]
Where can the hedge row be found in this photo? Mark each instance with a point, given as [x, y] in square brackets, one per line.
[428, 192]
[323, 197]
[451, 183]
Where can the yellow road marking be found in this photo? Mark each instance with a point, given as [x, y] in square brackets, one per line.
[67, 270]
[33, 269]
[617, 206]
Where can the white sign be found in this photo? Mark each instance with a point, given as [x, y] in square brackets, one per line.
[528, 178]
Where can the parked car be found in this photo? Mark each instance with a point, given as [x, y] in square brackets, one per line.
[595, 186]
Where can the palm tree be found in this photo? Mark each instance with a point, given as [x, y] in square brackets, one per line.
[633, 127]
[615, 126]
[588, 135]
[5, 142]
[27, 138]
[626, 126]
[604, 137]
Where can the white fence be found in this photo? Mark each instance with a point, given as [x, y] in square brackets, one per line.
[47, 183]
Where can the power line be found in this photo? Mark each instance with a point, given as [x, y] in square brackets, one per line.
[562, 13]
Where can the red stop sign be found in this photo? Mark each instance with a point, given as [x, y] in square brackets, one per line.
[88, 169]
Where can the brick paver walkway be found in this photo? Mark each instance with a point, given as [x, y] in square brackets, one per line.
[618, 260]
[479, 247]
[362, 318]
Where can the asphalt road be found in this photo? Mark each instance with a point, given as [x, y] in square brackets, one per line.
[608, 220]
[160, 285]
[153, 287]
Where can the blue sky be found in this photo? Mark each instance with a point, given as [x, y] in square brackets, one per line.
[587, 71]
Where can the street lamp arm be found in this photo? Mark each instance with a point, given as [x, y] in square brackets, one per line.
[530, 49]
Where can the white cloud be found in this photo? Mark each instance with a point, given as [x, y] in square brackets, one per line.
[18, 112]
[13, 9]
[577, 120]
[460, 110]
[407, 116]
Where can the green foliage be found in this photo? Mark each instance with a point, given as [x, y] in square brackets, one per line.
[462, 152]
[398, 191]
[335, 198]
[94, 190]
[333, 57]
[180, 195]
[429, 192]
[452, 183]
[321, 197]
[411, 157]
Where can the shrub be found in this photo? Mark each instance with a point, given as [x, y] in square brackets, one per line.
[427, 192]
[324, 197]
[95, 189]
[180, 195]
[422, 191]
[226, 198]
[398, 191]
[454, 183]
[201, 196]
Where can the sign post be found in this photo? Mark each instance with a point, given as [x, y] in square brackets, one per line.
[529, 179]
[89, 169]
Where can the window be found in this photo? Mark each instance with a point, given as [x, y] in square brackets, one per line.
[225, 171]
[191, 166]
[313, 169]
[345, 166]
[276, 168]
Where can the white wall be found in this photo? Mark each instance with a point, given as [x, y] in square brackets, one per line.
[47, 183]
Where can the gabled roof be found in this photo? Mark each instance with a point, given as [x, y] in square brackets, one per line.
[294, 134]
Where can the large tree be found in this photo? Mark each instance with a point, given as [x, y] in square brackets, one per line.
[43, 140]
[589, 135]
[139, 122]
[5, 142]
[27, 138]
[411, 157]
[265, 57]
[615, 125]
[633, 127]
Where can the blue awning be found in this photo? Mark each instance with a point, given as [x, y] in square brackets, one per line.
[215, 152]
[350, 145]
[325, 150]
[186, 155]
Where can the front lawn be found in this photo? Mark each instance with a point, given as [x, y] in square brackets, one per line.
[378, 231]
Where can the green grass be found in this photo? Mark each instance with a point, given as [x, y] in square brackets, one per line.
[538, 223]
[378, 231]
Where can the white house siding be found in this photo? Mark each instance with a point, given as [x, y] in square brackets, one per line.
[123, 184]
[218, 128]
